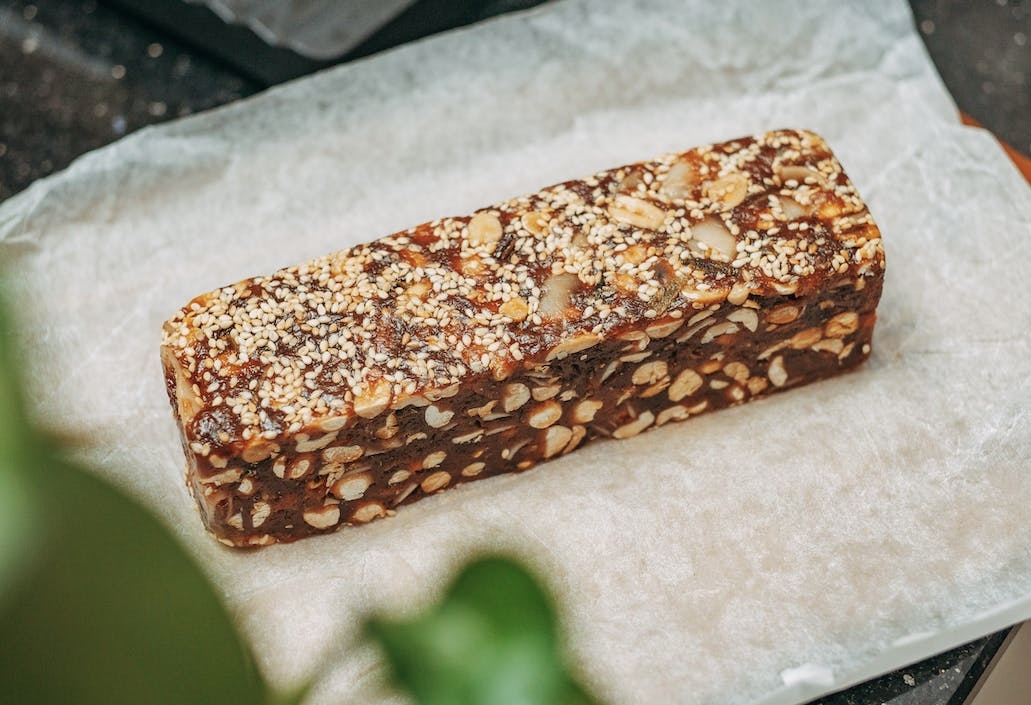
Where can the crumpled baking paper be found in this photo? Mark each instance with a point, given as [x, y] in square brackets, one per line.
[763, 554]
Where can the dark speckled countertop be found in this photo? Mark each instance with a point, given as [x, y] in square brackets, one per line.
[77, 74]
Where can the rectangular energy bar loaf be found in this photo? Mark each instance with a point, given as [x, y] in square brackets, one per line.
[334, 391]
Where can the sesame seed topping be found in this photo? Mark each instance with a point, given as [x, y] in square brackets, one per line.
[423, 309]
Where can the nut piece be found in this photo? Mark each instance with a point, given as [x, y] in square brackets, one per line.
[585, 410]
[436, 481]
[367, 512]
[256, 452]
[473, 469]
[737, 371]
[259, 513]
[333, 423]
[776, 372]
[306, 445]
[716, 238]
[739, 294]
[352, 487]
[833, 345]
[342, 454]
[673, 413]
[545, 392]
[555, 439]
[389, 428]
[843, 324]
[535, 221]
[805, 338]
[719, 329]
[375, 400]
[661, 330]
[515, 308]
[637, 212]
[650, 372]
[745, 316]
[545, 414]
[484, 229]
[578, 434]
[437, 417]
[783, 314]
[634, 427]
[687, 383]
[728, 191]
[557, 294]
[514, 396]
[798, 173]
[433, 459]
[573, 345]
[680, 180]
[323, 518]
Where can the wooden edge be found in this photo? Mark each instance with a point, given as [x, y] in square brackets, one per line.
[1022, 161]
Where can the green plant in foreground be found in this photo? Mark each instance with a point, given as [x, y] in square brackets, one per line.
[99, 604]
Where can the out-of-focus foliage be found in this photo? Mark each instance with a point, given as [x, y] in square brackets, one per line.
[493, 639]
[100, 605]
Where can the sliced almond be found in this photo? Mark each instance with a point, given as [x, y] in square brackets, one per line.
[728, 191]
[783, 314]
[650, 372]
[680, 181]
[342, 454]
[433, 459]
[805, 338]
[544, 414]
[352, 487]
[739, 294]
[307, 446]
[686, 383]
[584, 411]
[260, 450]
[368, 511]
[662, 329]
[514, 395]
[746, 317]
[637, 212]
[473, 469]
[634, 427]
[673, 413]
[776, 372]
[557, 294]
[724, 328]
[323, 518]
[555, 439]
[437, 481]
[573, 345]
[716, 238]
[536, 222]
[842, 324]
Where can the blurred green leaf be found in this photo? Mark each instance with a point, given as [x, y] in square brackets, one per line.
[17, 509]
[492, 640]
[108, 608]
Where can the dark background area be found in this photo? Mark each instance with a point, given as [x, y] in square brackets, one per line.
[77, 74]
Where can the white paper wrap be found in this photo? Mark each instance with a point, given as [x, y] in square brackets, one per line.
[763, 554]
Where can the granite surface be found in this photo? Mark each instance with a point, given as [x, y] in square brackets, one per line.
[77, 74]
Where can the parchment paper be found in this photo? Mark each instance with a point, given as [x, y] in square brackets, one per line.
[764, 554]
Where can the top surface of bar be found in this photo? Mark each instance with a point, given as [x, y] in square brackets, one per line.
[534, 278]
